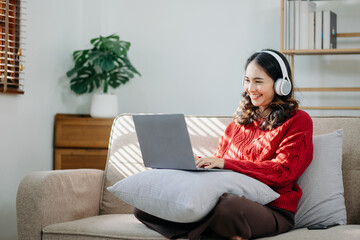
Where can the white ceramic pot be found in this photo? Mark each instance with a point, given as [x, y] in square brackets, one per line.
[104, 105]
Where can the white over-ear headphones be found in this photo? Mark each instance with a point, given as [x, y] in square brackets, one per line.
[282, 85]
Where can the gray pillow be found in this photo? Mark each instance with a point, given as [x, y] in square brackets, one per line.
[322, 202]
[185, 196]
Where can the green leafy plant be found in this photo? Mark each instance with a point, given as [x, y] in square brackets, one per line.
[104, 65]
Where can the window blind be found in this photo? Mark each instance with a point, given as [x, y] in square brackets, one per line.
[10, 50]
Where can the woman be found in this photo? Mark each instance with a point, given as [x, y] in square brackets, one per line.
[270, 139]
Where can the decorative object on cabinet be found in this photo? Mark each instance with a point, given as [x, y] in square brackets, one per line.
[80, 141]
[104, 105]
[285, 48]
[103, 66]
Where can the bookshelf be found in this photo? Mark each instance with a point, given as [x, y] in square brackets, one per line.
[291, 53]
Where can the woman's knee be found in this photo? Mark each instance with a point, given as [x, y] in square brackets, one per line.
[229, 217]
[230, 205]
[137, 213]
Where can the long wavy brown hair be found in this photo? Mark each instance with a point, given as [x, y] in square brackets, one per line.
[281, 107]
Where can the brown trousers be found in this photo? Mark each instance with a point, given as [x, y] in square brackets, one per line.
[232, 216]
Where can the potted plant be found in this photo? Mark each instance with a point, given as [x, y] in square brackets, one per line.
[105, 65]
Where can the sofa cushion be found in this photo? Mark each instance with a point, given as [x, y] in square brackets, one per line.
[127, 227]
[350, 159]
[187, 196]
[348, 232]
[322, 202]
[111, 226]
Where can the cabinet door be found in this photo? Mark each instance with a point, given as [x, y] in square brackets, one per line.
[82, 132]
[80, 158]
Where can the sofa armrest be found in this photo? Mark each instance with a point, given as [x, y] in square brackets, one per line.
[49, 197]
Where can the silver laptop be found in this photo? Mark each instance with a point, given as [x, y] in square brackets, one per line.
[165, 142]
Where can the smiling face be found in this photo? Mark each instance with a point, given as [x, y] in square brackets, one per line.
[258, 85]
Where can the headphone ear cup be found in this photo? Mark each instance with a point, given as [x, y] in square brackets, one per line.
[286, 87]
[282, 87]
[277, 86]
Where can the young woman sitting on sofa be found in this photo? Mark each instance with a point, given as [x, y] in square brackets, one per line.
[270, 139]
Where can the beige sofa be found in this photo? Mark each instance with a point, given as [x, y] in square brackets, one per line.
[74, 204]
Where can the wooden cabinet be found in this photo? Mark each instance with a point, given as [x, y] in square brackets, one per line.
[291, 53]
[81, 141]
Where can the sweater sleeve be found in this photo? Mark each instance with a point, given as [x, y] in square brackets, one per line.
[224, 140]
[292, 156]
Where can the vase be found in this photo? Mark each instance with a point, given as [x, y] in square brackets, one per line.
[104, 105]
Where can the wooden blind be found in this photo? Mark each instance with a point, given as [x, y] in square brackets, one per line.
[10, 51]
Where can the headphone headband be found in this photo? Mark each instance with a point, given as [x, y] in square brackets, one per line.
[282, 85]
[281, 63]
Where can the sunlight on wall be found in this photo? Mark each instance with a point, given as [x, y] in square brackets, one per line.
[206, 125]
[125, 156]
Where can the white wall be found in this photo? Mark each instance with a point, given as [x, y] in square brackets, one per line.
[190, 53]
[53, 30]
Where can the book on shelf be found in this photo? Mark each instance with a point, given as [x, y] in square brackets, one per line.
[329, 30]
[311, 30]
[308, 28]
[297, 24]
[291, 24]
[305, 8]
[318, 29]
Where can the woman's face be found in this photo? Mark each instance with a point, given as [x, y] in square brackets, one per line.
[258, 85]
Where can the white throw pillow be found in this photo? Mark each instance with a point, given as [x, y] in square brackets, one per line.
[322, 202]
[187, 196]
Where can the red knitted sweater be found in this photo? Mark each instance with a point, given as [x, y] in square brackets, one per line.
[275, 157]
